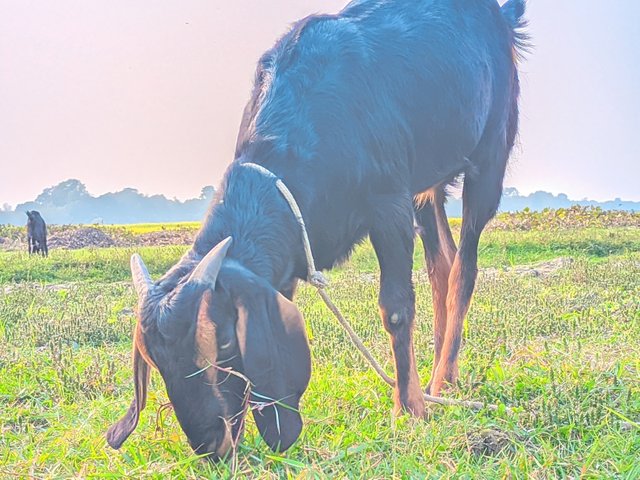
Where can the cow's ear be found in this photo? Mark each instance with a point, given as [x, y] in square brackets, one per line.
[120, 431]
[276, 359]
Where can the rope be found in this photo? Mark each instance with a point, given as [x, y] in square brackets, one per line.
[314, 277]
[318, 280]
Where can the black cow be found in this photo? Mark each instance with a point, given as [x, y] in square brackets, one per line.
[37, 233]
[367, 116]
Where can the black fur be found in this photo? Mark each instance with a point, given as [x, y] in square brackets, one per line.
[385, 98]
[357, 113]
[37, 233]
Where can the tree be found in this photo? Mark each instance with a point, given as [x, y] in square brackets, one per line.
[63, 194]
[207, 193]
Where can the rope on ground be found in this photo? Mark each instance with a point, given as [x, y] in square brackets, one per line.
[376, 366]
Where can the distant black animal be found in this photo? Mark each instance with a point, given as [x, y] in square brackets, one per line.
[37, 233]
[367, 116]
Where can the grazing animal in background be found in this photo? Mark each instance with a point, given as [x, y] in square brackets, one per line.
[367, 116]
[37, 233]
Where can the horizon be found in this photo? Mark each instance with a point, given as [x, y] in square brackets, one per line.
[195, 195]
[71, 203]
[121, 94]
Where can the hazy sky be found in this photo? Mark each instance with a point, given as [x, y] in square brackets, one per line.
[148, 94]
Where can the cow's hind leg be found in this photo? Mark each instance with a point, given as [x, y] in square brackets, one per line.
[440, 251]
[392, 238]
[481, 195]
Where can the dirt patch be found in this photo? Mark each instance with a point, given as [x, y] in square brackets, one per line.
[167, 237]
[8, 243]
[542, 269]
[71, 237]
[81, 238]
[489, 442]
[98, 238]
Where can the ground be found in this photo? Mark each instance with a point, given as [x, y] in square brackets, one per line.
[553, 333]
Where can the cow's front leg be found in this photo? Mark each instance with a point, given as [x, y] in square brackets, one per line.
[290, 290]
[392, 238]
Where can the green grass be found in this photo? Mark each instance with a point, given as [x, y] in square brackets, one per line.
[497, 249]
[562, 349]
[504, 249]
[516, 248]
[88, 265]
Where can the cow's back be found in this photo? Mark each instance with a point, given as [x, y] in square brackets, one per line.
[382, 98]
[390, 91]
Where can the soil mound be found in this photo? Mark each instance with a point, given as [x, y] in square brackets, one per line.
[166, 237]
[80, 238]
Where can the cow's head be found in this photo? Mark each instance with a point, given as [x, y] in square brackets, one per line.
[33, 214]
[220, 327]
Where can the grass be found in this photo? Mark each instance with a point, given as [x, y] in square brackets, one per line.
[497, 249]
[104, 265]
[12, 231]
[140, 228]
[562, 349]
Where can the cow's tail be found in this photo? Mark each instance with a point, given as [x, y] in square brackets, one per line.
[513, 13]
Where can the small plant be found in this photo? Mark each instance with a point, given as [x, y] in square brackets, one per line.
[564, 218]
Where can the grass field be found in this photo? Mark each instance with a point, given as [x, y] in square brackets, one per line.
[559, 345]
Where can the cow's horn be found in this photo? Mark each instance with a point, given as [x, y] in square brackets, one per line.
[141, 278]
[207, 270]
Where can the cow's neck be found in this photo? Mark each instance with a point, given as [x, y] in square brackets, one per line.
[266, 236]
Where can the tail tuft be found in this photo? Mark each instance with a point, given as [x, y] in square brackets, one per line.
[513, 12]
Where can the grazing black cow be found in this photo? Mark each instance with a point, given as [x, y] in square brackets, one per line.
[37, 233]
[366, 116]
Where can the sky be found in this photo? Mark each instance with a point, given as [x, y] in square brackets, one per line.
[149, 94]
